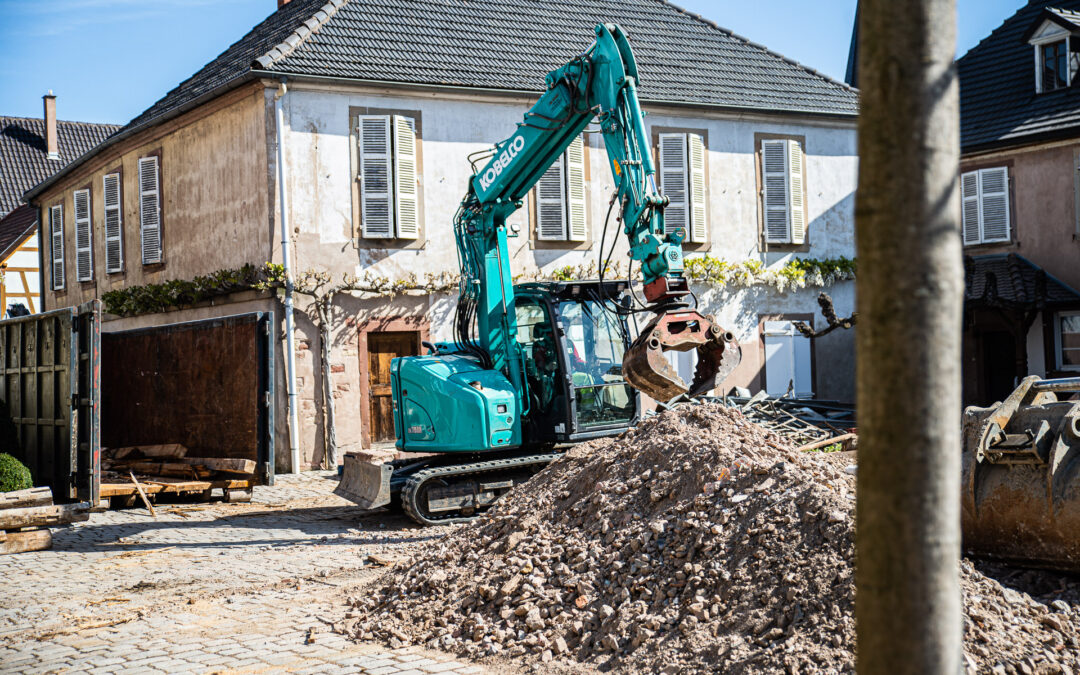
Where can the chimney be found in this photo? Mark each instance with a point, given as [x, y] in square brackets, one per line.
[50, 126]
[282, 3]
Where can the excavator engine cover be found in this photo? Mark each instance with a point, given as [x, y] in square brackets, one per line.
[1021, 473]
[647, 369]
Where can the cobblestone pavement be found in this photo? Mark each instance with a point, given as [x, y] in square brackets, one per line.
[208, 588]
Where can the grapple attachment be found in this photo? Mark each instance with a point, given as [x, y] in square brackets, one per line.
[1021, 472]
[647, 369]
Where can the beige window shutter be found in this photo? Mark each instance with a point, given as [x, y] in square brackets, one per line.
[84, 254]
[376, 212]
[774, 181]
[699, 227]
[796, 186]
[673, 181]
[150, 209]
[114, 246]
[56, 234]
[406, 199]
[551, 203]
[575, 191]
[969, 191]
[994, 203]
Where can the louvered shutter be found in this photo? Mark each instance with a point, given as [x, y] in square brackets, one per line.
[699, 228]
[114, 246]
[551, 203]
[994, 204]
[376, 217]
[150, 210]
[575, 190]
[775, 197]
[969, 189]
[56, 233]
[406, 200]
[673, 181]
[796, 170]
[84, 255]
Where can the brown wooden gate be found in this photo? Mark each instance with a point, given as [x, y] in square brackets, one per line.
[382, 347]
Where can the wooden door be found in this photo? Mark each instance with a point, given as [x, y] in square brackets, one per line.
[382, 347]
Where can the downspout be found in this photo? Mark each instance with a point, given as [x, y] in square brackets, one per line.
[290, 352]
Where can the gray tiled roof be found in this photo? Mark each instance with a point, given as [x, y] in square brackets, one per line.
[24, 158]
[1011, 280]
[14, 227]
[998, 102]
[512, 44]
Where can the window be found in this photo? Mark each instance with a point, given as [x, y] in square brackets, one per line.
[788, 368]
[1054, 60]
[560, 197]
[150, 209]
[388, 177]
[56, 234]
[682, 180]
[114, 231]
[1068, 340]
[84, 252]
[782, 193]
[986, 205]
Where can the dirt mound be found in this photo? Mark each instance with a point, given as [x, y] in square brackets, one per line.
[696, 540]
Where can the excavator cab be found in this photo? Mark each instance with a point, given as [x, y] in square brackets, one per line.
[573, 341]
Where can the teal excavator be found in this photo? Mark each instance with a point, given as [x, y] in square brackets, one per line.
[536, 366]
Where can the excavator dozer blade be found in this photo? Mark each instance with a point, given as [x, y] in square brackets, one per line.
[1021, 473]
[365, 482]
[647, 369]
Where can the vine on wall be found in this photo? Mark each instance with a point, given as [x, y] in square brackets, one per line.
[151, 298]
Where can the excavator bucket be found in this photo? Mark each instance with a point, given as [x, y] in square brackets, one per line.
[365, 482]
[647, 369]
[1021, 472]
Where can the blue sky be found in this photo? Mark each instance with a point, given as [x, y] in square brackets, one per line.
[108, 60]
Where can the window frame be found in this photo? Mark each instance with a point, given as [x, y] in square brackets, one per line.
[979, 201]
[54, 210]
[119, 239]
[807, 345]
[1059, 347]
[759, 178]
[1039, 45]
[156, 155]
[355, 229]
[88, 223]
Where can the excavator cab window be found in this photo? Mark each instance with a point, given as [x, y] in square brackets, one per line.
[536, 336]
[594, 347]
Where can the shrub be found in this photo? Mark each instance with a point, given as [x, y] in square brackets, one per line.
[13, 474]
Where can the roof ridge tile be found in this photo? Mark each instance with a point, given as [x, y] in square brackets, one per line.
[309, 27]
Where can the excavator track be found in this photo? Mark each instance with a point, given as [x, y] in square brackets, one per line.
[457, 483]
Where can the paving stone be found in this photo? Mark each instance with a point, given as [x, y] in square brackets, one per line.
[238, 564]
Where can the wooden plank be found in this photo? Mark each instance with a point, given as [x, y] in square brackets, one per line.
[226, 464]
[155, 486]
[31, 540]
[175, 469]
[37, 516]
[844, 440]
[167, 451]
[39, 496]
[149, 506]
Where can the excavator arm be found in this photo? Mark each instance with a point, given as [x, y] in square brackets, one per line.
[599, 84]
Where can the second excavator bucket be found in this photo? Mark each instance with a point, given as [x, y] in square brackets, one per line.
[1021, 472]
[365, 482]
[647, 369]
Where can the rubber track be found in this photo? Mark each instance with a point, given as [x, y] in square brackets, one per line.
[412, 486]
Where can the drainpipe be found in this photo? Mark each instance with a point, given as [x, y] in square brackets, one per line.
[290, 351]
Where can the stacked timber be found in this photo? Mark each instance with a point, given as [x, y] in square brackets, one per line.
[152, 469]
[26, 515]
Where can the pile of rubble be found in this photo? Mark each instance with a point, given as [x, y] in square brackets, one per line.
[695, 541]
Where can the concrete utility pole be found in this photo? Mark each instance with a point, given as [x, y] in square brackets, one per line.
[910, 294]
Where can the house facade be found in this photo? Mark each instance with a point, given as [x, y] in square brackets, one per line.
[1020, 184]
[31, 150]
[360, 119]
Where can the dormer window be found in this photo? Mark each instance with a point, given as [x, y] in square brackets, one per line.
[1055, 36]
[1055, 71]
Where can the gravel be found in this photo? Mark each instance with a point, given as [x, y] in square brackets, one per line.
[695, 541]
